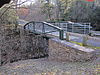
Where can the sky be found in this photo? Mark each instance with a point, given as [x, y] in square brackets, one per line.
[30, 1]
[27, 1]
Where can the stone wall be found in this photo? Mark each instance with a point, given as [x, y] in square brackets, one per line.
[65, 51]
[20, 45]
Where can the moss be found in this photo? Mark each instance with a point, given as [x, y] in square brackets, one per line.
[77, 43]
[93, 47]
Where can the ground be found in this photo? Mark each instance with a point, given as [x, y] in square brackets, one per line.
[45, 66]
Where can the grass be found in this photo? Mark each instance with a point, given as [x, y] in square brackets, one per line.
[78, 43]
[93, 47]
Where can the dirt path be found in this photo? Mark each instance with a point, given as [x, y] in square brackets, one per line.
[48, 67]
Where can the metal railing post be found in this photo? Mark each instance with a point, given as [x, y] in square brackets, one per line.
[89, 28]
[24, 27]
[72, 28]
[84, 29]
[43, 28]
[29, 26]
[66, 27]
[33, 26]
[61, 34]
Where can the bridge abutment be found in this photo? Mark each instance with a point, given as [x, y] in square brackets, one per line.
[61, 50]
[21, 45]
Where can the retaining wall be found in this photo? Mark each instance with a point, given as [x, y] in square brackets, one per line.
[66, 51]
[21, 44]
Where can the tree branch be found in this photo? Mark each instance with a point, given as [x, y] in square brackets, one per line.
[10, 7]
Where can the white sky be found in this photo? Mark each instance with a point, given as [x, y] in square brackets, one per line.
[28, 1]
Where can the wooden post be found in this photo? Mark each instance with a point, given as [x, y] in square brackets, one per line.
[67, 37]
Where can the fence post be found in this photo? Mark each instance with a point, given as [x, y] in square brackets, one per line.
[85, 38]
[61, 34]
[67, 37]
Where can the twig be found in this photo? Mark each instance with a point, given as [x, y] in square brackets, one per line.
[10, 7]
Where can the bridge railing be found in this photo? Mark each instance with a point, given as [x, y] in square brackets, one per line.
[44, 28]
[82, 28]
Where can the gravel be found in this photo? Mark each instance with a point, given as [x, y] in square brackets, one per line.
[45, 66]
